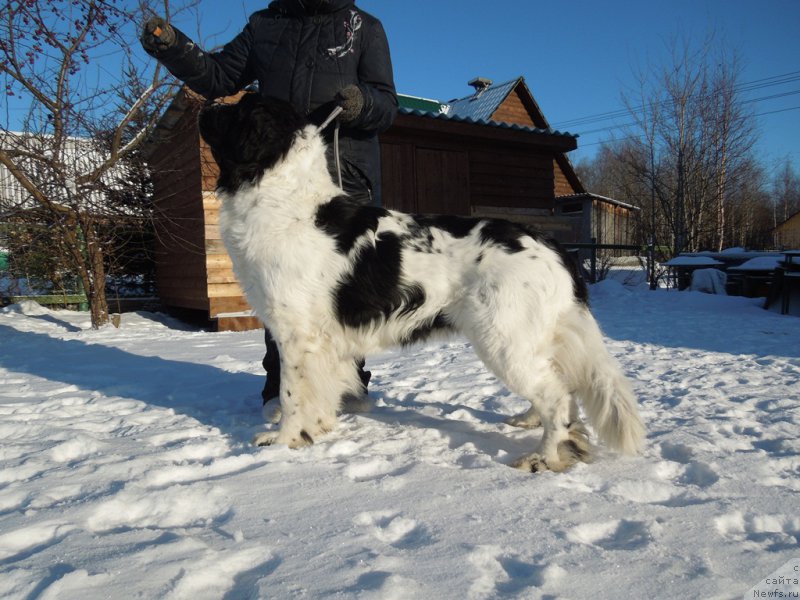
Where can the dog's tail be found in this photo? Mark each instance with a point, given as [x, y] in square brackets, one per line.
[607, 396]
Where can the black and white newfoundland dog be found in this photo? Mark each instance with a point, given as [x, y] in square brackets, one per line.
[335, 281]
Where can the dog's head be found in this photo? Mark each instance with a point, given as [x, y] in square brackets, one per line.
[249, 137]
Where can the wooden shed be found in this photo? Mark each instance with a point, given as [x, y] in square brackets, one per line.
[194, 274]
[491, 153]
[605, 220]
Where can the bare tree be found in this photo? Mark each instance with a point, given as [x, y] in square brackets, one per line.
[93, 96]
[691, 135]
[786, 190]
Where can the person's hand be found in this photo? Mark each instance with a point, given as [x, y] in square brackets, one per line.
[351, 99]
[157, 35]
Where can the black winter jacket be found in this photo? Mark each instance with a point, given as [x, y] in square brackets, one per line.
[305, 59]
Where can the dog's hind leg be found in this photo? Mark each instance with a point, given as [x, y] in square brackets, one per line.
[565, 440]
[528, 369]
[530, 419]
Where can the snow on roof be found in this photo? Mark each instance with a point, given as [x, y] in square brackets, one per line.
[598, 197]
[692, 261]
[761, 263]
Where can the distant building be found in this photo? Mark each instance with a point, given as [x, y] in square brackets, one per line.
[787, 234]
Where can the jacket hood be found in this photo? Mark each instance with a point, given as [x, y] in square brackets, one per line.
[313, 7]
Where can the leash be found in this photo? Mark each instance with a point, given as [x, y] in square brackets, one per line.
[335, 113]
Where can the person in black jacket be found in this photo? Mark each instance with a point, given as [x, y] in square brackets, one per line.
[314, 54]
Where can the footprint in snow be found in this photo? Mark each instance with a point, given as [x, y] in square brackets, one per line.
[770, 532]
[644, 491]
[679, 453]
[692, 472]
[615, 534]
[195, 505]
[499, 573]
[393, 529]
[699, 474]
[23, 542]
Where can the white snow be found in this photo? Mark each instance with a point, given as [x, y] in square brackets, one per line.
[708, 281]
[692, 261]
[760, 263]
[126, 469]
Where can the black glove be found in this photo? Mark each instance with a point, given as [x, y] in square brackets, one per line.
[351, 99]
[157, 36]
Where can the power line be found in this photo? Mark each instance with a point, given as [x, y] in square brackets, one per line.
[780, 110]
[750, 86]
[638, 136]
[752, 100]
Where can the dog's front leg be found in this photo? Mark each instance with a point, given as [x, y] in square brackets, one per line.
[312, 383]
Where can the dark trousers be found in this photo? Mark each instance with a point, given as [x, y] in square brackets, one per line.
[358, 189]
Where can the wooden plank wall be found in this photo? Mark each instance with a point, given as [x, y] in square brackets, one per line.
[563, 187]
[508, 177]
[443, 181]
[194, 270]
[427, 167]
[225, 295]
[398, 182]
[430, 169]
[180, 243]
[514, 110]
[611, 224]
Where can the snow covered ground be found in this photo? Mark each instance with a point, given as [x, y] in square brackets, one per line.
[126, 472]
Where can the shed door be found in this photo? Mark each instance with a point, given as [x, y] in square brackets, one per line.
[442, 182]
[397, 177]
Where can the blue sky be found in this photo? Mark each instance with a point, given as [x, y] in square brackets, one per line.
[578, 56]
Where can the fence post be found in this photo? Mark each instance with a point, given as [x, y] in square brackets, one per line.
[651, 263]
[593, 262]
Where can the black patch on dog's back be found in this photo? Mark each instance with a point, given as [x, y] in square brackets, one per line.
[372, 292]
[507, 234]
[345, 221]
[458, 227]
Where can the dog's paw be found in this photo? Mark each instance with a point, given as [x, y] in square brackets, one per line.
[526, 420]
[266, 438]
[532, 463]
[294, 441]
[573, 449]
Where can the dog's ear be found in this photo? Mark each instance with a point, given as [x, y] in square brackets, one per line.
[211, 123]
[267, 128]
[218, 121]
[249, 137]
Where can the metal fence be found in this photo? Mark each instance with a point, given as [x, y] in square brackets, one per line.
[590, 250]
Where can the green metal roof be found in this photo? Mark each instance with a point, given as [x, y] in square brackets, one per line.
[420, 104]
